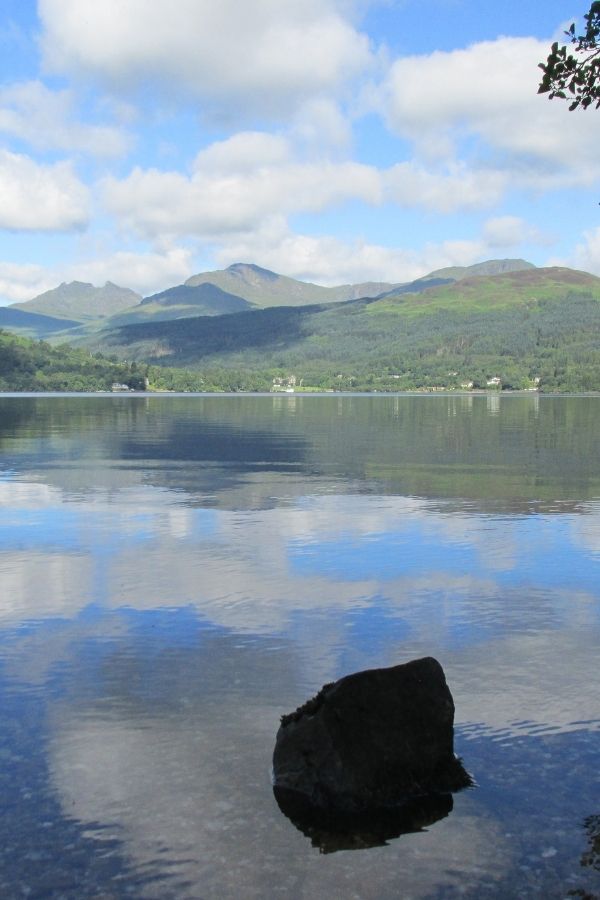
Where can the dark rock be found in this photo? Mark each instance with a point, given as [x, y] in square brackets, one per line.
[372, 740]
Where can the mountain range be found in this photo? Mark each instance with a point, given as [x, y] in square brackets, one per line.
[503, 323]
[78, 309]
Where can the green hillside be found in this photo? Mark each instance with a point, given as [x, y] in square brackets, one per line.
[484, 293]
[519, 327]
[27, 365]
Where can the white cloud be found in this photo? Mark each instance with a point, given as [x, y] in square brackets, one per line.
[320, 122]
[19, 282]
[238, 58]
[330, 260]
[455, 187]
[143, 272]
[510, 231]
[327, 259]
[236, 184]
[586, 255]
[244, 152]
[37, 197]
[488, 91]
[46, 120]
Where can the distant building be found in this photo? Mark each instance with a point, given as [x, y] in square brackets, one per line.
[119, 388]
[287, 385]
[494, 382]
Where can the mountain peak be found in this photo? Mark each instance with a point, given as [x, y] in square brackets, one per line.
[80, 301]
[250, 269]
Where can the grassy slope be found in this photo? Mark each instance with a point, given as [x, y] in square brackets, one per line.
[482, 294]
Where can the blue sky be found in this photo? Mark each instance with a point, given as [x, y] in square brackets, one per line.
[331, 140]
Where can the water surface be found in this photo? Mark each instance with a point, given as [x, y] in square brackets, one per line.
[177, 572]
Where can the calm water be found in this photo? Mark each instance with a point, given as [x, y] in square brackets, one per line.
[177, 572]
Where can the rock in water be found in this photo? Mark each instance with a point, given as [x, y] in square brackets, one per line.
[372, 740]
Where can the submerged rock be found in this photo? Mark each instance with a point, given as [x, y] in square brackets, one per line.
[371, 741]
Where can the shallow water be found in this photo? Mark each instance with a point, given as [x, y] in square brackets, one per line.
[177, 572]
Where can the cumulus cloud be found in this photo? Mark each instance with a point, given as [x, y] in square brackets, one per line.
[330, 260]
[488, 92]
[38, 197]
[453, 187]
[586, 255]
[19, 282]
[46, 119]
[241, 184]
[143, 272]
[262, 55]
[510, 231]
[320, 122]
[235, 184]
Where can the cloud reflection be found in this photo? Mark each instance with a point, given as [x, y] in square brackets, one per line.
[188, 782]
[169, 611]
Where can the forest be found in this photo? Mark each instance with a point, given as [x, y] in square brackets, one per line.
[27, 365]
[551, 344]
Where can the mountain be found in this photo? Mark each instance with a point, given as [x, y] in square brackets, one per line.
[516, 326]
[452, 274]
[81, 309]
[81, 302]
[264, 288]
[183, 301]
[489, 267]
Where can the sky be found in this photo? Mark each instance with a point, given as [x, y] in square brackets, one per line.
[335, 141]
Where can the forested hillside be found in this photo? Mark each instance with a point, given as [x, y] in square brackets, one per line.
[531, 328]
[27, 365]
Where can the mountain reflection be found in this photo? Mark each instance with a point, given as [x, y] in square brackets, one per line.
[527, 450]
